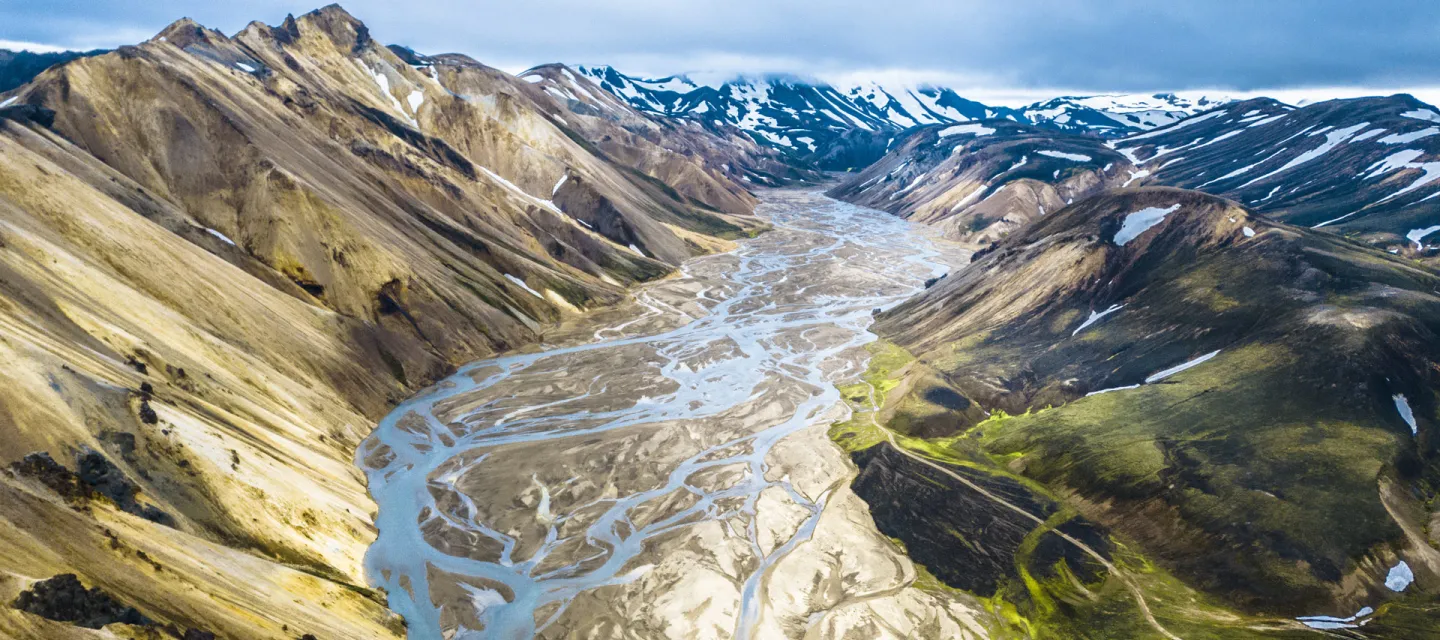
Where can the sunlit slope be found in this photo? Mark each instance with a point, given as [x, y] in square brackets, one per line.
[223, 258]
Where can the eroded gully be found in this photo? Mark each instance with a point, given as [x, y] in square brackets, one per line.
[651, 475]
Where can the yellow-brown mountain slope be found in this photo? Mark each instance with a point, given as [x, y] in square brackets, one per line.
[223, 258]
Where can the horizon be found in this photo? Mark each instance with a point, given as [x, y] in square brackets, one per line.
[709, 56]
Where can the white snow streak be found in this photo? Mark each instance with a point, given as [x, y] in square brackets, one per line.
[524, 286]
[1096, 316]
[1181, 367]
[221, 236]
[1332, 139]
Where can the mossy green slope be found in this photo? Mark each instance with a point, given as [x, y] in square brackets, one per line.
[1274, 480]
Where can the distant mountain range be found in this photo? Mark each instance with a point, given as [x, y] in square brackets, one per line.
[843, 127]
[1364, 166]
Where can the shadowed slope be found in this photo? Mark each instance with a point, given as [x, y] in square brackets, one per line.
[1249, 436]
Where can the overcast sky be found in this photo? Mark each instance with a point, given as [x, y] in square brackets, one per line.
[996, 51]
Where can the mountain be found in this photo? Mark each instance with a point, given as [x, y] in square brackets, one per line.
[225, 258]
[850, 126]
[20, 67]
[1246, 406]
[982, 180]
[1117, 114]
[1364, 167]
[617, 129]
[832, 127]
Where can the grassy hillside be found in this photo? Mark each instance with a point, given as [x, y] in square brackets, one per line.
[1276, 476]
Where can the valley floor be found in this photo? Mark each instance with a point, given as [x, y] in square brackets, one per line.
[669, 475]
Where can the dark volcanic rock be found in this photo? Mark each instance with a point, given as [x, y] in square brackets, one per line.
[964, 538]
[96, 476]
[63, 599]
[42, 467]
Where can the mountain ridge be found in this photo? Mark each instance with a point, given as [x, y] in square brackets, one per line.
[226, 257]
[802, 115]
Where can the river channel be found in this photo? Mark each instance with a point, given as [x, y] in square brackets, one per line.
[662, 470]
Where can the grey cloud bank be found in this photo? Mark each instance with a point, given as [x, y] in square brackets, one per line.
[1019, 46]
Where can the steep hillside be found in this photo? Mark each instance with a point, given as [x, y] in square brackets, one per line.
[981, 181]
[1252, 406]
[1363, 167]
[224, 258]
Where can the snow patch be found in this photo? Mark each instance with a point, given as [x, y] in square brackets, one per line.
[1331, 622]
[1138, 222]
[1136, 175]
[1397, 160]
[1422, 114]
[1176, 127]
[1073, 157]
[961, 129]
[1402, 406]
[1403, 138]
[1249, 233]
[1400, 577]
[1416, 235]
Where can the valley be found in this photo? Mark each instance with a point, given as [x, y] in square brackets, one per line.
[667, 475]
[311, 337]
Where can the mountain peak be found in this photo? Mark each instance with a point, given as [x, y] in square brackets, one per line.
[343, 29]
[186, 32]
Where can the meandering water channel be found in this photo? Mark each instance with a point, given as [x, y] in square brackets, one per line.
[651, 469]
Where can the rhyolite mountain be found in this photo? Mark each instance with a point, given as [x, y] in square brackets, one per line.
[1365, 167]
[1249, 405]
[848, 127]
[1117, 114]
[224, 257]
[982, 180]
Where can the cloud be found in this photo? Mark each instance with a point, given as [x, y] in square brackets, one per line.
[1016, 47]
[32, 47]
